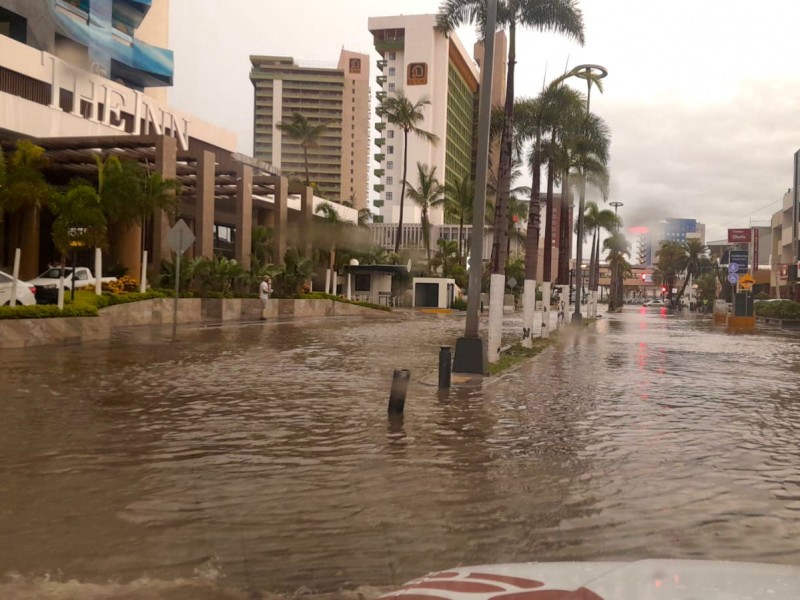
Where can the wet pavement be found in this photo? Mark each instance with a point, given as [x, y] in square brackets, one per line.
[239, 461]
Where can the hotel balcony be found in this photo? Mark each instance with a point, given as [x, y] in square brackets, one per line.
[381, 79]
[380, 157]
[378, 187]
[379, 172]
[382, 64]
[380, 126]
[380, 142]
[377, 203]
[381, 95]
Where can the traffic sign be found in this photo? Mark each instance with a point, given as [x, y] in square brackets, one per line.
[746, 282]
[733, 268]
[733, 279]
[180, 238]
[739, 257]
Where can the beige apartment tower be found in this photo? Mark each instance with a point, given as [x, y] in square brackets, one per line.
[338, 97]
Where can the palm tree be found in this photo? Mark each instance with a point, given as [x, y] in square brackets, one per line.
[408, 116]
[561, 16]
[333, 225]
[305, 133]
[618, 248]
[460, 195]
[694, 254]
[428, 194]
[670, 260]
[447, 248]
[594, 221]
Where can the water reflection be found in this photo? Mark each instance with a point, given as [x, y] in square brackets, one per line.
[263, 454]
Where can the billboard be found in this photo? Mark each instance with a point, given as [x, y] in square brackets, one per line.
[740, 236]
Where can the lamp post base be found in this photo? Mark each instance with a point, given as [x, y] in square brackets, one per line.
[471, 356]
[577, 318]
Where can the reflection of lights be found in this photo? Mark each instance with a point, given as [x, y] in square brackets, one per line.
[658, 583]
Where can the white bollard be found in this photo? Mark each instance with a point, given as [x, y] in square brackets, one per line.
[98, 271]
[528, 309]
[546, 298]
[495, 338]
[349, 281]
[143, 278]
[327, 281]
[61, 291]
[15, 274]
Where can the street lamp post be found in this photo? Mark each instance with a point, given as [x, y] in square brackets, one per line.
[470, 356]
[590, 73]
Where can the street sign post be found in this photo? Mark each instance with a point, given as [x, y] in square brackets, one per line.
[179, 239]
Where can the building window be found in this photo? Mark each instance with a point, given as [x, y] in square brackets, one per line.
[389, 195]
[389, 149]
[392, 71]
[390, 181]
[390, 134]
[392, 56]
[391, 87]
[390, 165]
[362, 283]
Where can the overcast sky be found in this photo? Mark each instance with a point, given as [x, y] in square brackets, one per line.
[702, 95]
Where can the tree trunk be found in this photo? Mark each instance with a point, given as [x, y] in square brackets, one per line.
[534, 216]
[460, 236]
[591, 260]
[547, 275]
[564, 233]
[402, 193]
[504, 176]
[426, 237]
[305, 158]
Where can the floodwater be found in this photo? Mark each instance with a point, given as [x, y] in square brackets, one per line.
[241, 461]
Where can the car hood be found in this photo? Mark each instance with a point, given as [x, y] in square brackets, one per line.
[640, 580]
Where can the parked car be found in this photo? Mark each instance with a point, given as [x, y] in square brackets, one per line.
[655, 303]
[25, 291]
[47, 283]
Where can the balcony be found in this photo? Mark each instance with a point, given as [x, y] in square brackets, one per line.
[377, 203]
[390, 45]
[380, 142]
[381, 79]
[380, 126]
[378, 187]
[380, 111]
[380, 157]
[381, 95]
[379, 172]
[381, 64]
[377, 218]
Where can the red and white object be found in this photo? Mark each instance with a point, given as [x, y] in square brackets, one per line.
[640, 580]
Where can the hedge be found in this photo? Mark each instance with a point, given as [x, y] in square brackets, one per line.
[48, 311]
[324, 296]
[785, 309]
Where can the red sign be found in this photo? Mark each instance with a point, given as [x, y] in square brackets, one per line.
[755, 249]
[740, 236]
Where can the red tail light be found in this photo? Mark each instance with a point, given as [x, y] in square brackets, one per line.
[33, 290]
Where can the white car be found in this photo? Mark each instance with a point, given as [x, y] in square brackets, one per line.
[25, 291]
[47, 283]
[655, 303]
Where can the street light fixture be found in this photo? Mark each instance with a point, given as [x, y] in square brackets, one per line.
[590, 73]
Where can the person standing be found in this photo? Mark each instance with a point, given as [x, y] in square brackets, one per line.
[264, 292]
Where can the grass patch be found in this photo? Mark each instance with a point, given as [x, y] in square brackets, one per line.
[517, 354]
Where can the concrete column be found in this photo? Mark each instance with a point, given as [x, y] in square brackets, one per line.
[204, 207]
[29, 243]
[166, 164]
[280, 235]
[244, 214]
[269, 218]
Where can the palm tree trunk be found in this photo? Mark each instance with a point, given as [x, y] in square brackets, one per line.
[591, 259]
[460, 236]
[426, 236]
[504, 173]
[305, 159]
[547, 274]
[564, 233]
[402, 193]
[534, 216]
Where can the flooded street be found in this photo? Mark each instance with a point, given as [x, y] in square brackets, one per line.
[260, 457]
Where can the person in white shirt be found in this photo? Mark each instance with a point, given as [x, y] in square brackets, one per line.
[264, 291]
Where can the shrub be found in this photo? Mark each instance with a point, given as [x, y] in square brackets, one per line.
[459, 304]
[49, 311]
[324, 296]
[785, 309]
[122, 285]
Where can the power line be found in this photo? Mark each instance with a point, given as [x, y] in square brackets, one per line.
[744, 216]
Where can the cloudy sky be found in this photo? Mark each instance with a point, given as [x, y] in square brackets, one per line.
[702, 95]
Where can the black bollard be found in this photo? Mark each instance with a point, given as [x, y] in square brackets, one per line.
[397, 397]
[445, 367]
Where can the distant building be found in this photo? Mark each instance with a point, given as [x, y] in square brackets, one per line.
[418, 60]
[336, 96]
[783, 250]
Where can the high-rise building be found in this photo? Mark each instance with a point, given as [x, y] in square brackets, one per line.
[337, 97]
[418, 60]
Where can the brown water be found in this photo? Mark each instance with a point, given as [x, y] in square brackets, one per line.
[257, 458]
